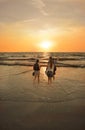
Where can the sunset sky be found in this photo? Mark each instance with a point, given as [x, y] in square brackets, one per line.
[28, 25]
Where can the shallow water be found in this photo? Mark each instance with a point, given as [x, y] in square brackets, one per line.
[16, 84]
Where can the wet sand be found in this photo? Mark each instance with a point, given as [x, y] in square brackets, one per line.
[25, 105]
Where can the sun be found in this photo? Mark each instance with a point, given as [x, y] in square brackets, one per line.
[46, 44]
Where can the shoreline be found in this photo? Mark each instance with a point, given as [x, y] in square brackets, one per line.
[44, 65]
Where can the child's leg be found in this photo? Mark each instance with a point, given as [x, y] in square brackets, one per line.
[38, 78]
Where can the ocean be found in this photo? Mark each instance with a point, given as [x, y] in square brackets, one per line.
[16, 80]
[63, 59]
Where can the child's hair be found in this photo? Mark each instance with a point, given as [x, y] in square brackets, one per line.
[37, 61]
[50, 61]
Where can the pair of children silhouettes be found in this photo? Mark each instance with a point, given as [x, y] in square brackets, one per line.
[50, 70]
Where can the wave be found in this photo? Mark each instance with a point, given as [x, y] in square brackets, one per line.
[43, 64]
[55, 58]
[27, 59]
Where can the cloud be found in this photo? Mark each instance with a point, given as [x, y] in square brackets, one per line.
[66, 11]
[17, 10]
[42, 14]
[40, 5]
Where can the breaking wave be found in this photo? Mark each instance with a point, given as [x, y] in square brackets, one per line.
[76, 59]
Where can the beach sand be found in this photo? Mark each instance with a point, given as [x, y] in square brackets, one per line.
[26, 105]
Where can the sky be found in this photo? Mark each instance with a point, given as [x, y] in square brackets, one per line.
[42, 25]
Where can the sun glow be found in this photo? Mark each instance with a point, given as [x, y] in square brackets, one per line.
[46, 44]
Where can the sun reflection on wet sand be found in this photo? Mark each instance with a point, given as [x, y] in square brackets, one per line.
[43, 76]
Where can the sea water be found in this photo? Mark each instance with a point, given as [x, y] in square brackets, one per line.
[62, 59]
[16, 80]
